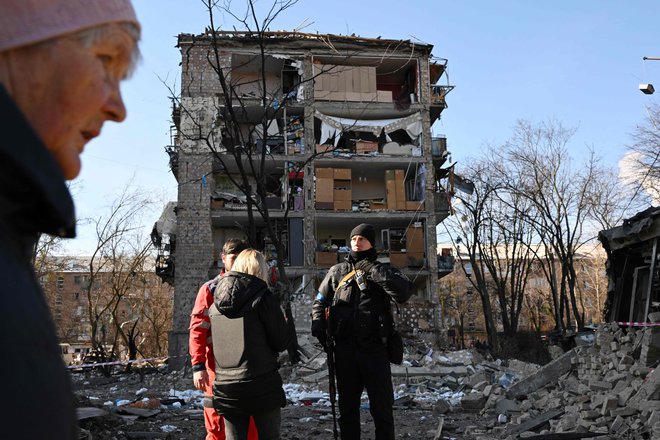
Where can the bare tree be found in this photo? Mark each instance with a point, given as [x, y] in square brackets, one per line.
[537, 307]
[128, 260]
[454, 307]
[611, 201]
[119, 254]
[563, 200]
[471, 222]
[154, 306]
[507, 254]
[641, 166]
[592, 286]
[499, 241]
[48, 267]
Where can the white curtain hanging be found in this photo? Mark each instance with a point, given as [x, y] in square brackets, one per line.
[334, 126]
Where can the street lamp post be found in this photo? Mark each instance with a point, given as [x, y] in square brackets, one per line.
[648, 88]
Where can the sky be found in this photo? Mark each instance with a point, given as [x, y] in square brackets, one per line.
[577, 62]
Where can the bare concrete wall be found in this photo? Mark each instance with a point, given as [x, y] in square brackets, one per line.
[194, 252]
[197, 76]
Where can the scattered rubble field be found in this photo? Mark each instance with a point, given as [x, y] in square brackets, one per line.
[607, 390]
[152, 414]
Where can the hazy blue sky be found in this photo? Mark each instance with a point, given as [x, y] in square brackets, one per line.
[579, 62]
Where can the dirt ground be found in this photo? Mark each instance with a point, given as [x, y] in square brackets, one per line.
[169, 408]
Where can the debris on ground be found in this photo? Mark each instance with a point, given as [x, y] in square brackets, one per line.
[607, 390]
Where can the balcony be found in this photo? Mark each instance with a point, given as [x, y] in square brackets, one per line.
[442, 205]
[439, 149]
[173, 153]
[437, 100]
[445, 265]
[438, 94]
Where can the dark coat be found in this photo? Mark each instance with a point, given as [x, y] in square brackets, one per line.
[367, 320]
[248, 330]
[33, 199]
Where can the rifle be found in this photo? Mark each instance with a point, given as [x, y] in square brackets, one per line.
[332, 389]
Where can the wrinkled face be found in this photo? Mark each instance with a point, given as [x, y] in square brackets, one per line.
[229, 259]
[359, 243]
[67, 89]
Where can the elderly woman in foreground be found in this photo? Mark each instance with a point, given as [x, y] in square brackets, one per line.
[61, 62]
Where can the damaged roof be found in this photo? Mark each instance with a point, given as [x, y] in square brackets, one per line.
[303, 40]
[643, 226]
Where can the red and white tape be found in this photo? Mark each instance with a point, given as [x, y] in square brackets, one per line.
[638, 324]
[103, 364]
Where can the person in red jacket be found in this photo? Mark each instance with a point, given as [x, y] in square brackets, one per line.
[201, 350]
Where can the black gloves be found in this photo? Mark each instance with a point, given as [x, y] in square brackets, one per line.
[366, 266]
[319, 331]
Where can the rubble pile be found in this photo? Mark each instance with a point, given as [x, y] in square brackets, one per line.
[425, 378]
[608, 388]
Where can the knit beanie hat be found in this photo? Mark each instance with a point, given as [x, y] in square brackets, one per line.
[367, 231]
[24, 22]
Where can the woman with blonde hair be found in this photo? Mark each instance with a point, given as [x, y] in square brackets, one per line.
[248, 330]
[252, 262]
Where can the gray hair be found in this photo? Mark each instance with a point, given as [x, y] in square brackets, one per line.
[92, 35]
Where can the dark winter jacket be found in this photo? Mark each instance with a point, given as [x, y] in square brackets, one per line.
[33, 199]
[366, 319]
[248, 330]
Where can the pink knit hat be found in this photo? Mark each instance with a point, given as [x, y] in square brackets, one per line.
[24, 22]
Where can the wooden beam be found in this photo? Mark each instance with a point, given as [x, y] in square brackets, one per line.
[535, 422]
[438, 432]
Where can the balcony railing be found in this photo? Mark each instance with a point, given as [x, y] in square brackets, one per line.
[445, 263]
[438, 94]
[439, 146]
[442, 201]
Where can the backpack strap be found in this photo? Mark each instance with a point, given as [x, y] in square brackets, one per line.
[343, 284]
[347, 279]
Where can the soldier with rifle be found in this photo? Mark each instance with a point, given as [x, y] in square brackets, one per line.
[357, 329]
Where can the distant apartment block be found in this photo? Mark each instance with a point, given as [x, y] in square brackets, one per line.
[68, 287]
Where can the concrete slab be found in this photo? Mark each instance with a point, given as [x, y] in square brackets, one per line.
[547, 374]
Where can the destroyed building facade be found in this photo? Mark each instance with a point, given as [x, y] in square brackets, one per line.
[347, 140]
[633, 268]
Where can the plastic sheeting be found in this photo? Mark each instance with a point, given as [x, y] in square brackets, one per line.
[332, 126]
[166, 224]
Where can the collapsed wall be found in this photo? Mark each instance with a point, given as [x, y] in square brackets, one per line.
[607, 390]
[611, 388]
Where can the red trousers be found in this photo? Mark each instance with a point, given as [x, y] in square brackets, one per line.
[215, 423]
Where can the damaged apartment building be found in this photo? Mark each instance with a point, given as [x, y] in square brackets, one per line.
[633, 268]
[338, 128]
